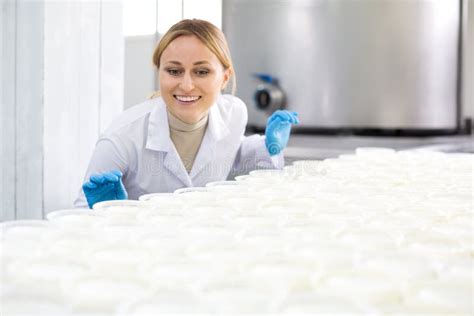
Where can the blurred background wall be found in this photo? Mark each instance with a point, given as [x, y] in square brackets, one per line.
[62, 83]
[468, 59]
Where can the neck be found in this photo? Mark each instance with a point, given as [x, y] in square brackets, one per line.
[177, 123]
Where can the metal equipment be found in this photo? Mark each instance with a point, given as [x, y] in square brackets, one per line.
[360, 65]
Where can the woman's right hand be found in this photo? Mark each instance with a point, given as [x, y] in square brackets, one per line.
[104, 187]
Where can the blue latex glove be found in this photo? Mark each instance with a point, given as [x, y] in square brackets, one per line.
[278, 130]
[104, 187]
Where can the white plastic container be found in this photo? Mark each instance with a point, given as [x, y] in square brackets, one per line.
[363, 288]
[165, 203]
[120, 212]
[24, 238]
[117, 260]
[20, 304]
[191, 190]
[230, 295]
[267, 173]
[44, 276]
[313, 303]
[197, 196]
[24, 227]
[74, 218]
[116, 204]
[222, 185]
[166, 301]
[99, 295]
[150, 196]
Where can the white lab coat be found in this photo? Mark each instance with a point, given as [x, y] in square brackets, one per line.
[138, 144]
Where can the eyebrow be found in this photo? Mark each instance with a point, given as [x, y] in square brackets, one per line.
[196, 63]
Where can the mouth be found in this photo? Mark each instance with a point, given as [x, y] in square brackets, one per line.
[186, 100]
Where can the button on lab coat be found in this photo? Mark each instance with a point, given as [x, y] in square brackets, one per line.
[138, 144]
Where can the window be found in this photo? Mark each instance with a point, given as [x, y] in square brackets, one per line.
[147, 17]
[139, 17]
[169, 12]
[210, 10]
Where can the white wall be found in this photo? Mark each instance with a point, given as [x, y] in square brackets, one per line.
[468, 62]
[62, 83]
[7, 114]
[22, 110]
[83, 90]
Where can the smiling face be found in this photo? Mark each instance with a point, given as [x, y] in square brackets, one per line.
[191, 78]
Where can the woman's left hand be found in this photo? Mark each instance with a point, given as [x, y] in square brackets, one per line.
[278, 130]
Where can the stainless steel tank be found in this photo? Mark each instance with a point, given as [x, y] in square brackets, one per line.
[357, 64]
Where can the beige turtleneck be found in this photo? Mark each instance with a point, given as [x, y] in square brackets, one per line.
[187, 138]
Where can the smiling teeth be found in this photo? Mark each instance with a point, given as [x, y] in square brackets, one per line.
[186, 99]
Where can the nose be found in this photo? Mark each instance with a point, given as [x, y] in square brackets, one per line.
[187, 83]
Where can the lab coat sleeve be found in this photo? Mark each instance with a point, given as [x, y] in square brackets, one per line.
[106, 157]
[252, 155]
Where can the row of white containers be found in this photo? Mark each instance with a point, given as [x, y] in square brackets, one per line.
[378, 231]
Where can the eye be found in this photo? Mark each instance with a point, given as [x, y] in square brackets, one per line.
[173, 71]
[202, 72]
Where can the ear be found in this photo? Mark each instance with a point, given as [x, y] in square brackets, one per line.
[226, 77]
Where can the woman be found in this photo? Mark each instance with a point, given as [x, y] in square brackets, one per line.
[189, 135]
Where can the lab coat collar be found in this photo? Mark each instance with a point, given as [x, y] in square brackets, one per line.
[217, 129]
[158, 137]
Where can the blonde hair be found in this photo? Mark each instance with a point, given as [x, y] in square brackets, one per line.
[207, 33]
